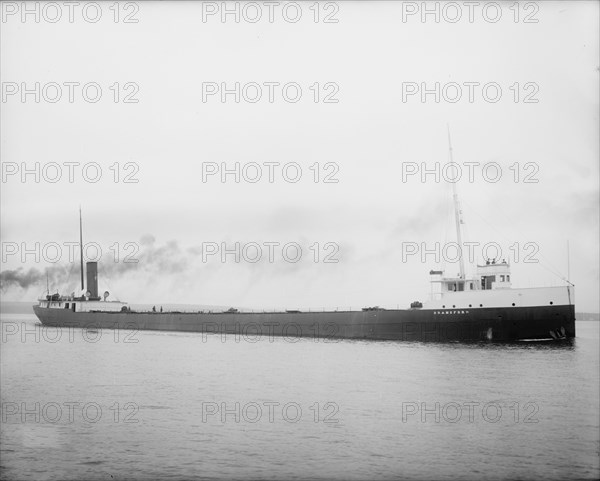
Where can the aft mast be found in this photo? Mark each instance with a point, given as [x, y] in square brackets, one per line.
[457, 215]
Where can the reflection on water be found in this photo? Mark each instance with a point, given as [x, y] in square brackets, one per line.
[178, 405]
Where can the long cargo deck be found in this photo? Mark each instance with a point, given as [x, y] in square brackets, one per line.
[481, 324]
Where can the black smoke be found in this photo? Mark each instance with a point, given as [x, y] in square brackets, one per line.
[24, 279]
[145, 256]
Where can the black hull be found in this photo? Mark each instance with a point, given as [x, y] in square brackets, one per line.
[483, 324]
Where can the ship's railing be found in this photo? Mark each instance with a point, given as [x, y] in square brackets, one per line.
[276, 310]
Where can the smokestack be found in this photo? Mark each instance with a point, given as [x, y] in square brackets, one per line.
[92, 280]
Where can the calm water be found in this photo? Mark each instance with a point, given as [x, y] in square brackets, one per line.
[180, 406]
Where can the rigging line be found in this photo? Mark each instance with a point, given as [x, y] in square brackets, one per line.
[445, 234]
[467, 236]
[457, 210]
[546, 265]
[450, 221]
[105, 281]
[549, 266]
[81, 247]
[69, 275]
[46, 270]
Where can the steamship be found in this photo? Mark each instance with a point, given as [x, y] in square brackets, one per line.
[483, 307]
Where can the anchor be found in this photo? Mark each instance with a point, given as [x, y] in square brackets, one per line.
[558, 334]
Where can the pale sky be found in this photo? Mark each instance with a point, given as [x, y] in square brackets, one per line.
[368, 58]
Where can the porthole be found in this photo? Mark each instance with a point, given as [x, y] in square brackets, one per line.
[444, 306]
[453, 306]
[513, 304]
[551, 302]
[480, 305]
[470, 305]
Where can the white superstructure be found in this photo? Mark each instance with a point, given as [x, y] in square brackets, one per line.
[79, 305]
[491, 286]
